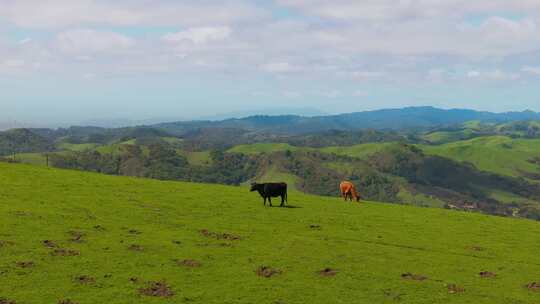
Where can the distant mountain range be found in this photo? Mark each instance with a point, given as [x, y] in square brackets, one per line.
[387, 119]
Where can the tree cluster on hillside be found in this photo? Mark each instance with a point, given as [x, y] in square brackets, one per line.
[23, 141]
[159, 161]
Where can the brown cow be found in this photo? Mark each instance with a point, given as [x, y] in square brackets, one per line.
[348, 191]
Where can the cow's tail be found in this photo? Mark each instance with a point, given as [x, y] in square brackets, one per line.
[286, 194]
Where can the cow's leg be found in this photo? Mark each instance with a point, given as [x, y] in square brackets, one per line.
[282, 200]
[264, 202]
[270, 201]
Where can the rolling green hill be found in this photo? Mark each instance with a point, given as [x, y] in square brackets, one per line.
[93, 238]
[498, 154]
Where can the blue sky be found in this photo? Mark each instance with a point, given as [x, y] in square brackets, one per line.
[67, 61]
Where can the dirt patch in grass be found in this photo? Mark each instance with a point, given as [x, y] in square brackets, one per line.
[315, 227]
[50, 244]
[5, 243]
[534, 286]
[84, 279]
[453, 288]
[477, 248]
[328, 272]
[7, 301]
[25, 264]
[157, 289]
[64, 252]
[134, 231]
[76, 236]
[219, 236]
[267, 272]
[414, 277]
[487, 274]
[99, 227]
[134, 280]
[67, 301]
[188, 263]
[135, 247]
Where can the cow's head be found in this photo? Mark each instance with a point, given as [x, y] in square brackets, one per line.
[254, 187]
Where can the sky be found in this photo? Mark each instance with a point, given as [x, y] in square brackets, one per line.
[67, 61]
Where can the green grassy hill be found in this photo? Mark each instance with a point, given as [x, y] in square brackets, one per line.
[102, 239]
[498, 154]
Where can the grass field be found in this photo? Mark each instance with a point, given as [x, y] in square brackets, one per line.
[77, 147]
[32, 158]
[109, 237]
[359, 151]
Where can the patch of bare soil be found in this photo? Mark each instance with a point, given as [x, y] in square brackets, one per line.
[50, 244]
[219, 236]
[487, 274]
[76, 236]
[22, 213]
[64, 252]
[414, 277]
[5, 243]
[157, 289]
[7, 301]
[84, 279]
[534, 286]
[477, 248]
[453, 288]
[393, 295]
[134, 280]
[135, 247]
[188, 263]
[26, 264]
[67, 301]
[328, 272]
[267, 272]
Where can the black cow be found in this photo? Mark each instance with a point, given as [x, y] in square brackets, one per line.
[269, 190]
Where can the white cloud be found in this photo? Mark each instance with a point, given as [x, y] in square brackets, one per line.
[278, 67]
[199, 35]
[332, 94]
[24, 41]
[89, 76]
[87, 41]
[359, 93]
[76, 13]
[535, 70]
[380, 41]
[392, 10]
[473, 74]
[291, 94]
[366, 75]
[12, 63]
[493, 75]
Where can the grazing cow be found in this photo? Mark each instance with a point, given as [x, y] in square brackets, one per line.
[269, 190]
[348, 191]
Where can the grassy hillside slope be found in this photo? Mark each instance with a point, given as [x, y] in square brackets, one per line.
[123, 233]
[498, 154]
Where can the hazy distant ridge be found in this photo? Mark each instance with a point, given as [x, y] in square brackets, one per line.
[387, 119]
